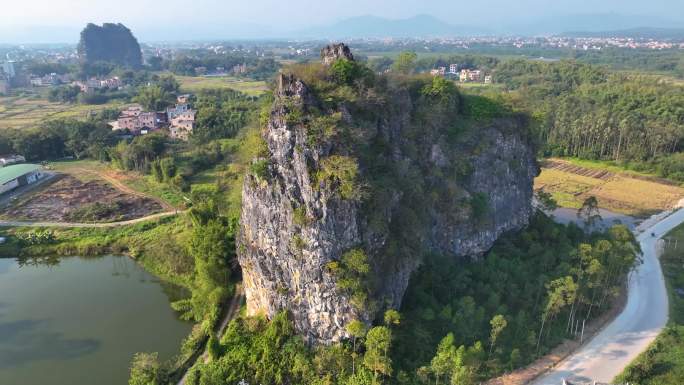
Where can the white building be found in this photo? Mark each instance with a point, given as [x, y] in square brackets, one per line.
[18, 175]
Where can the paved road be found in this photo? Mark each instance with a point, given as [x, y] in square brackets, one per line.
[644, 316]
[78, 224]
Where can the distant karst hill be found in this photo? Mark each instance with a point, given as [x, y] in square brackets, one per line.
[110, 42]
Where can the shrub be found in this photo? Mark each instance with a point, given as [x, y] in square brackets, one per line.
[479, 205]
[259, 168]
[341, 171]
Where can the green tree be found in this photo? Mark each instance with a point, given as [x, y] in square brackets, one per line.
[378, 342]
[153, 98]
[392, 318]
[498, 323]
[405, 62]
[443, 362]
[589, 212]
[357, 329]
[145, 370]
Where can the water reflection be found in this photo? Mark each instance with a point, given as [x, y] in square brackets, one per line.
[26, 341]
[78, 321]
[608, 218]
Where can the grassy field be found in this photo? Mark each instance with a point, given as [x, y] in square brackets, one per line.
[197, 83]
[619, 193]
[663, 362]
[19, 112]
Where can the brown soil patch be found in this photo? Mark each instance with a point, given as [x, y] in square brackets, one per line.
[68, 199]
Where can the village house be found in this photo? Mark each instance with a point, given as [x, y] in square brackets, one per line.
[453, 69]
[137, 121]
[474, 75]
[176, 110]
[182, 125]
[463, 77]
[183, 99]
[95, 84]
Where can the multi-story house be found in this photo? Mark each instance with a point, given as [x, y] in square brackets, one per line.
[474, 75]
[453, 68]
[182, 125]
[176, 110]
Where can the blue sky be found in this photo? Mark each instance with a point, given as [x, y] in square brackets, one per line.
[151, 17]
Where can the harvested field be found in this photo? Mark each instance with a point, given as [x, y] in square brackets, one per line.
[69, 199]
[21, 112]
[637, 196]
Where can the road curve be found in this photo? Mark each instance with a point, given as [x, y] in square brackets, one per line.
[642, 319]
[77, 224]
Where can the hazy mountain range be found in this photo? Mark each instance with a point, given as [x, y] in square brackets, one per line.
[368, 26]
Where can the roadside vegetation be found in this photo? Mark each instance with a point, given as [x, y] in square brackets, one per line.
[663, 362]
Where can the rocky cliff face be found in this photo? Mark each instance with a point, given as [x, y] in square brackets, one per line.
[294, 223]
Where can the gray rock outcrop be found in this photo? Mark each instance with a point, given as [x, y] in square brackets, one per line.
[292, 226]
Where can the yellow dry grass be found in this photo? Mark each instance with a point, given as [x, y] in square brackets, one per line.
[620, 193]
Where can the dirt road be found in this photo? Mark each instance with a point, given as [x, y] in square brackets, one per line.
[76, 224]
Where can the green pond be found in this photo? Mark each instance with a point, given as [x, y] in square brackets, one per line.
[78, 321]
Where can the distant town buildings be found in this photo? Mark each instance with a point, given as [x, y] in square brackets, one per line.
[239, 69]
[52, 79]
[93, 84]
